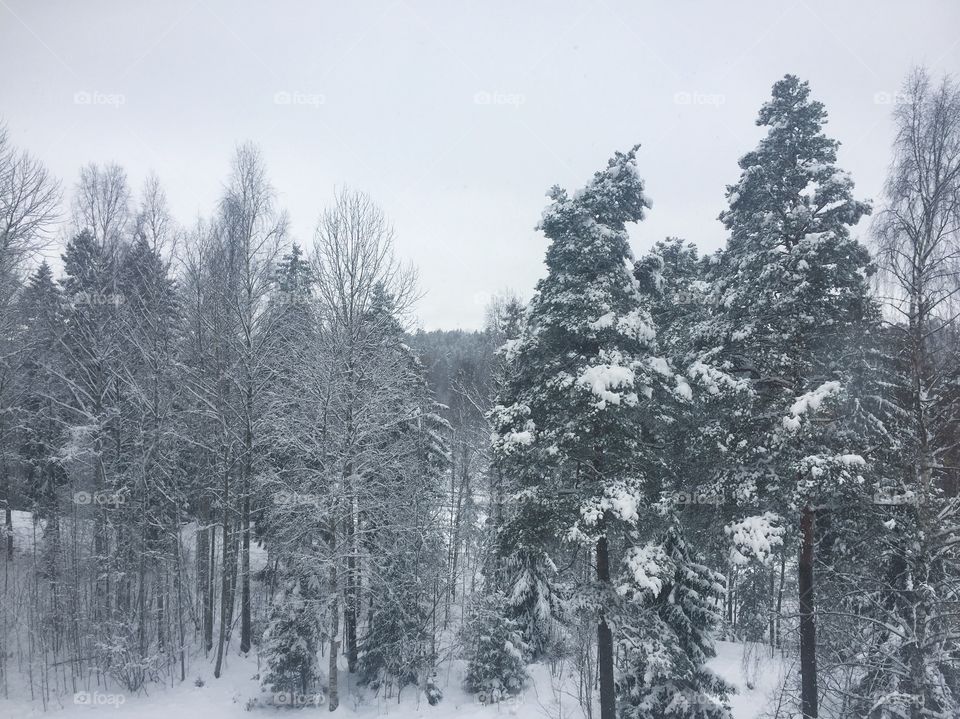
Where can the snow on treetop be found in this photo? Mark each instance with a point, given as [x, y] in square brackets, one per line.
[613, 197]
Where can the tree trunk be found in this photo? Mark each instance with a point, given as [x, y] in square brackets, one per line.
[605, 640]
[779, 612]
[8, 524]
[350, 608]
[204, 557]
[351, 598]
[226, 591]
[333, 692]
[350, 605]
[178, 583]
[808, 628]
[226, 599]
[102, 582]
[245, 629]
[163, 591]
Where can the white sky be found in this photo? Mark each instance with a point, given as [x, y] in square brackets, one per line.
[456, 117]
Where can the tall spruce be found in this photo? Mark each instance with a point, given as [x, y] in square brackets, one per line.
[572, 421]
[789, 300]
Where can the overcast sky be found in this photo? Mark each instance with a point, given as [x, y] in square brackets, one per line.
[456, 117]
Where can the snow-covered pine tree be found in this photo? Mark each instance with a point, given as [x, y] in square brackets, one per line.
[292, 640]
[147, 523]
[572, 421]
[677, 280]
[291, 346]
[41, 315]
[790, 307]
[401, 543]
[40, 393]
[496, 665]
[696, 438]
[504, 324]
[533, 598]
[667, 648]
[522, 570]
[91, 356]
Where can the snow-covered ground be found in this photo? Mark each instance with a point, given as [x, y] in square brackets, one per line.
[751, 669]
[228, 696]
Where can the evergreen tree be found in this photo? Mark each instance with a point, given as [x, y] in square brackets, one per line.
[41, 317]
[291, 312]
[574, 415]
[533, 598]
[395, 650]
[40, 311]
[148, 521]
[667, 649]
[91, 351]
[495, 651]
[399, 647]
[790, 307]
[292, 640]
[695, 442]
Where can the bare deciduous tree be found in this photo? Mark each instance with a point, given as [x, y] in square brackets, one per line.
[101, 202]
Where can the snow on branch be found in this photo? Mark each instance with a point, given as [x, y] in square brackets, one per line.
[754, 538]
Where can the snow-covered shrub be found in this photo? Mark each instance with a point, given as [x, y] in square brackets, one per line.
[126, 660]
[494, 649]
[433, 692]
[293, 638]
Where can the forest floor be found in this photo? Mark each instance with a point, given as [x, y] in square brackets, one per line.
[545, 698]
[750, 668]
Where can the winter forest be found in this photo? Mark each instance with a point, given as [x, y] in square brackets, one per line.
[238, 478]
